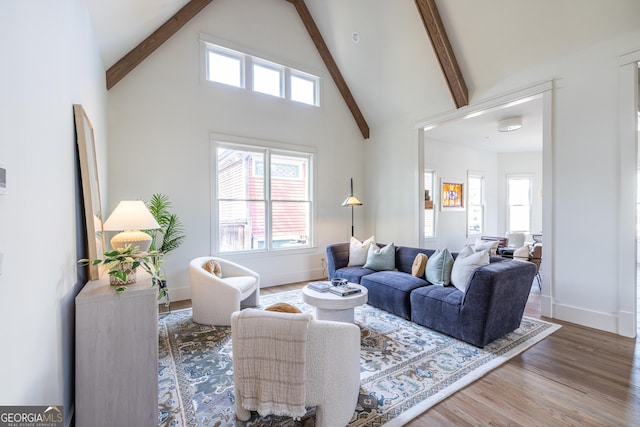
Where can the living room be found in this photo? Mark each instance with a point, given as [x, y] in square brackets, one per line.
[155, 128]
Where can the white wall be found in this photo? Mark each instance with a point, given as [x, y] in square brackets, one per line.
[585, 151]
[50, 61]
[162, 114]
[452, 163]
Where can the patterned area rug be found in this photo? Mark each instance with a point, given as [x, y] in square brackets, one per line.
[404, 368]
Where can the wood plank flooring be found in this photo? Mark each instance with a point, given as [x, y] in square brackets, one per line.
[576, 377]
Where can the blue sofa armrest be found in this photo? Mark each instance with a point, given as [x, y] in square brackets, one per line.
[337, 257]
[495, 300]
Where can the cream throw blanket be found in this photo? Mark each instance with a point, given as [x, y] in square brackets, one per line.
[271, 350]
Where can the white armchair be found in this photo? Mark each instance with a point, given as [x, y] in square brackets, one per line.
[332, 370]
[214, 298]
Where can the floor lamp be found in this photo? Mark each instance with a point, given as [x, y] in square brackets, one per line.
[352, 201]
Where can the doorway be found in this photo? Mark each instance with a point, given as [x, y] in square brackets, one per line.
[495, 219]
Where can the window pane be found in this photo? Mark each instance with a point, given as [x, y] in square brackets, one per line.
[241, 225]
[519, 191]
[240, 175]
[225, 69]
[519, 218]
[303, 90]
[475, 191]
[267, 80]
[429, 216]
[475, 213]
[475, 219]
[289, 178]
[290, 224]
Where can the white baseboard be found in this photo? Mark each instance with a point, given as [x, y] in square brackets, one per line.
[592, 319]
[627, 324]
[184, 292]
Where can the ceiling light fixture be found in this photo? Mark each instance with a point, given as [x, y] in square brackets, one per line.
[510, 124]
[355, 37]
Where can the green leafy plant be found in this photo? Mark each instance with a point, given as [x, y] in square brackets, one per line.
[119, 261]
[170, 235]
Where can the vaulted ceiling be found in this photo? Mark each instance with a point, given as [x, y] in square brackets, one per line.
[393, 70]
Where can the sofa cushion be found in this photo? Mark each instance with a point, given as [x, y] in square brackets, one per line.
[438, 308]
[358, 250]
[391, 290]
[419, 265]
[352, 274]
[439, 266]
[405, 256]
[381, 259]
[465, 265]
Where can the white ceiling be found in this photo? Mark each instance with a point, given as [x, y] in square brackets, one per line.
[393, 72]
[481, 132]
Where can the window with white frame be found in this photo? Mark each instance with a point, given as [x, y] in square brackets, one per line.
[519, 204]
[268, 78]
[225, 66]
[475, 204]
[263, 198]
[429, 211]
[238, 69]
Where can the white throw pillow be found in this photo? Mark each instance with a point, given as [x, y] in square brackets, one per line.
[358, 250]
[492, 245]
[466, 251]
[463, 268]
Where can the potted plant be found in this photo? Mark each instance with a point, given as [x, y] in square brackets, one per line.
[121, 265]
[168, 237]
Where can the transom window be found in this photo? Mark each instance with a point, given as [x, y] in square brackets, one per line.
[241, 70]
[263, 198]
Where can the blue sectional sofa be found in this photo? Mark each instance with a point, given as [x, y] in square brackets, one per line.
[491, 306]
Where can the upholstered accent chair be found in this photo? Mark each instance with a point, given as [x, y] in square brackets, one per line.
[515, 240]
[218, 292]
[331, 368]
[533, 255]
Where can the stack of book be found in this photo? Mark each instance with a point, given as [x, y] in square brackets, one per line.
[344, 290]
[320, 286]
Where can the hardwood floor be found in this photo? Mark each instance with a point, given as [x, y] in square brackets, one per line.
[576, 377]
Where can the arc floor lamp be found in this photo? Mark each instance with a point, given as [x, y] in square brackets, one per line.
[351, 201]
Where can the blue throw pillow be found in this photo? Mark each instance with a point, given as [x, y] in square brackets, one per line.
[380, 259]
[439, 266]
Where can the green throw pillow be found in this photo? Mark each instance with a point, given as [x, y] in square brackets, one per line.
[380, 259]
[439, 266]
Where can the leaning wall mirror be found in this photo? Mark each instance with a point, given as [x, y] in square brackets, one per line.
[90, 188]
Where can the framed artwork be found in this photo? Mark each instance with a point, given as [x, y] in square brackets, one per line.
[452, 195]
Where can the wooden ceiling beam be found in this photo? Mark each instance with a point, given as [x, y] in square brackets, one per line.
[444, 52]
[331, 65]
[132, 59]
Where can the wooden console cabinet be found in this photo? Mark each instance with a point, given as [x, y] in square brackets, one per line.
[116, 355]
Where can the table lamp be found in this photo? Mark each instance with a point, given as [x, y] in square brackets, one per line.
[131, 216]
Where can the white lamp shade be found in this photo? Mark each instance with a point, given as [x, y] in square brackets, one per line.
[131, 216]
[352, 201]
